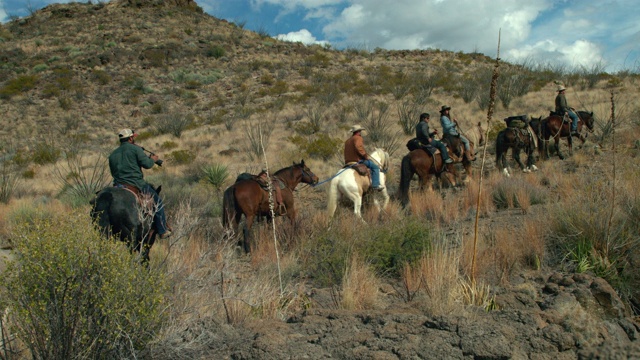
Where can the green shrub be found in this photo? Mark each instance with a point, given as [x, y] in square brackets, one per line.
[101, 77]
[168, 145]
[215, 51]
[215, 174]
[72, 294]
[20, 84]
[45, 153]
[182, 157]
[40, 68]
[322, 146]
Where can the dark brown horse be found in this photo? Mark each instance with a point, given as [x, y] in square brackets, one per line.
[557, 126]
[247, 197]
[515, 139]
[475, 135]
[425, 165]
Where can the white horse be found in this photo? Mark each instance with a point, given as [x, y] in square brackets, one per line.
[347, 182]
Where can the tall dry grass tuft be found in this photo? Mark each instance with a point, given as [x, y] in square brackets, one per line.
[469, 200]
[433, 280]
[360, 286]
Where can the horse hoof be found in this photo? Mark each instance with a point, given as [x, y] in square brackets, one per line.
[527, 170]
[534, 168]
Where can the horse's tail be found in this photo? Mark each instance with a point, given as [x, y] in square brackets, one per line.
[332, 204]
[228, 207]
[500, 143]
[406, 173]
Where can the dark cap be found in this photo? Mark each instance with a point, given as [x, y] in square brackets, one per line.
[424, 116]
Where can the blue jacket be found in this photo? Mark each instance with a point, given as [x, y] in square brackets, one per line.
[448, 126]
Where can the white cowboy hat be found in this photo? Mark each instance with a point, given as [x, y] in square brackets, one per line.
[355, 128]
[561, 87]
[126, 133]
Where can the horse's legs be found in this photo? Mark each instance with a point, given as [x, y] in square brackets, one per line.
[557, 145]
[246, 243]
[466, 164]
[516, 157]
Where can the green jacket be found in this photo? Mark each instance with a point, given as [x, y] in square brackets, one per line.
[126, 162]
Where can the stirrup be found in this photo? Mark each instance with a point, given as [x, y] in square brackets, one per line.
[282, 210]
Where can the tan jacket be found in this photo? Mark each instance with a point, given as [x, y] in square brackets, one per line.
[354, 149]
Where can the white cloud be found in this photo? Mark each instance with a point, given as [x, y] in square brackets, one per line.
[303, 36]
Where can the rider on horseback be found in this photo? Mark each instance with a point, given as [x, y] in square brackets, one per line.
[126, 163]
[449, 128]
[563, 108]
[425, 137]
[354, 152]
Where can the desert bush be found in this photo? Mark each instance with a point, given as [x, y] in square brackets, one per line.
[215, 51]
[174, 123]
[258, 136]
[182, 157]
[82, 178]
[45, 152]
[408, 115]
[319, 146]
[18, 85]
[215, 174]
[71, 294]
[9, 180]
[101, 77]
[40, 68]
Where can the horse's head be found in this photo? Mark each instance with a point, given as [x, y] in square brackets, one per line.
[588, 119]
[382, 158]
[308, 177]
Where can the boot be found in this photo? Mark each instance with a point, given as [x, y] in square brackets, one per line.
[470, 155]
[448, 161]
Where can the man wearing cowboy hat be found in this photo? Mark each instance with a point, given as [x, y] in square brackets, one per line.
[449, 128]
[354, 152]
[427, 137]
[562, 107]
[126, 163]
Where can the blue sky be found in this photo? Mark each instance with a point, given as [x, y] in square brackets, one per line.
[589, 33]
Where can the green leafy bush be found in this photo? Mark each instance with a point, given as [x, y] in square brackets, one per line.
[73, 295]
[182, 157]
[216, 51]
[321, 146]
[22, 83]
[45, 153]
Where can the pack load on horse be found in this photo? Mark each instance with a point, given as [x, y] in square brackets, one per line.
[132, 208]
[558, 125]
[519, 135]
[249, 197]
[353, 181]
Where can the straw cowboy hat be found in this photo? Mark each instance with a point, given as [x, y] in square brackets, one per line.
[561, 88]
[355, 128]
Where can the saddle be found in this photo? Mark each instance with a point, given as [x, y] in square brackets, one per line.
[360, 168]
[144, 200]
[415, 144]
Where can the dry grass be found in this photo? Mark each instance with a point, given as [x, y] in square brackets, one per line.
[360, 286]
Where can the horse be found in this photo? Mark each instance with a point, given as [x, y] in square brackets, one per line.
[350, 184]
[557, 126]
[515, 139]
[247, 197]
[117, 211]
[425, 165]
[455, 147]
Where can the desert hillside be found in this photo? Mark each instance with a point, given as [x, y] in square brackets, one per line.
[536, 265]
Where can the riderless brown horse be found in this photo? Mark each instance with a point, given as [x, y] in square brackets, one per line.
[425, 165]
[247, 197]
[557, 126]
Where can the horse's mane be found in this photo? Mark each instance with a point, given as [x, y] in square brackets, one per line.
[288, 168]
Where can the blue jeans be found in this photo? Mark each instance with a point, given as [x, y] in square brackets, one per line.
[442, 147]
[159, 218]
[574, 118]
[375, 172]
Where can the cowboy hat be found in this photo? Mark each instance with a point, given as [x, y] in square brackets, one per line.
[126, 133]
[561, 87]
[356, 128]
[445, 107]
